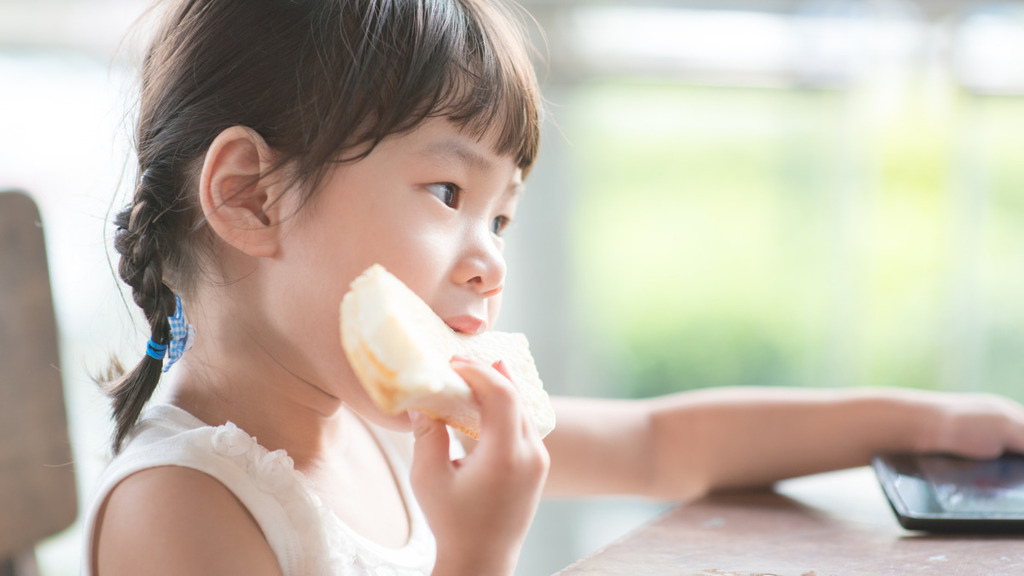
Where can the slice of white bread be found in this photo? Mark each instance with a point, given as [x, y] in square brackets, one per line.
[400, 351]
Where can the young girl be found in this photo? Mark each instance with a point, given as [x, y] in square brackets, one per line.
[283, 147]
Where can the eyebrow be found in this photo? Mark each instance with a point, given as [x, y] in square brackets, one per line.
[457, 151]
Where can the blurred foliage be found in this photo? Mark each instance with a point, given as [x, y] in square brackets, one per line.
[767, 237]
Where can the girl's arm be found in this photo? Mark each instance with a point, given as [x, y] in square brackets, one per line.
[684, 445]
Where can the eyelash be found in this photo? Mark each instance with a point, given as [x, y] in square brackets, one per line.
[500, 224]
[450, 195]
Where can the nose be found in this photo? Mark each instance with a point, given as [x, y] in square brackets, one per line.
[481, 264]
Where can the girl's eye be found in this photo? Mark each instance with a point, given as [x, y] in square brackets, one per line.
[446, 192]
[499, 224]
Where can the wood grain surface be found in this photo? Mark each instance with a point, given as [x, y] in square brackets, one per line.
[835, 524]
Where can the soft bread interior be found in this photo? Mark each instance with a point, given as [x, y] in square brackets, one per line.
[400, 351]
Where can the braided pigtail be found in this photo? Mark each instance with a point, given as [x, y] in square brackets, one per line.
[139, 242]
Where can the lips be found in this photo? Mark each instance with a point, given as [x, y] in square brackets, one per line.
[466, 324]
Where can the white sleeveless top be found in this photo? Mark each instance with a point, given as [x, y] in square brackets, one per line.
[305, 535]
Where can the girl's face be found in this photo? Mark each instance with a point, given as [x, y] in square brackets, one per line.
[430, 206]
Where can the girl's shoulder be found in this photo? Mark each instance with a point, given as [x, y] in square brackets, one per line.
[177, 520]
[178, 478]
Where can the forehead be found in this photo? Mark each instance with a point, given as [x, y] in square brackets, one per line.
[439, 140]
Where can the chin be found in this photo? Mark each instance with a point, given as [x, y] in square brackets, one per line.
[357, 401]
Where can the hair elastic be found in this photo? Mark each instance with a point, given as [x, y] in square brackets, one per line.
[156, 350]
[182, 335]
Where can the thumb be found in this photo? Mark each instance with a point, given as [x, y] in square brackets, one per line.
[430, 451]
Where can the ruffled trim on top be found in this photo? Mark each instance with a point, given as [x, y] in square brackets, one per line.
[330, 547]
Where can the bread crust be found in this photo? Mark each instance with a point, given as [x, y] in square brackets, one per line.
[400, 351]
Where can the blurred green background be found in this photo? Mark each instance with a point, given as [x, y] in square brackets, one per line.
[770, 236]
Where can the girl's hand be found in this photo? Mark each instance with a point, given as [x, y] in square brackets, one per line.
[480, 507]
[974, 425]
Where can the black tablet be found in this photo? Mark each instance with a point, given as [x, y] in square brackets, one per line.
[940, 493]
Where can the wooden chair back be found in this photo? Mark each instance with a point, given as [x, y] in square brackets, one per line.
[37, 479]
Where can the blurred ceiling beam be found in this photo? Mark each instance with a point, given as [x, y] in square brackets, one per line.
[98, 26]
[931, 9]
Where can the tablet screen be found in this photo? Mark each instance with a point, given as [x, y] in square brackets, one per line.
[934, 492]
[976, 486]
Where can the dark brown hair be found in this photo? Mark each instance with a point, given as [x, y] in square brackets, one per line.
[322, 82]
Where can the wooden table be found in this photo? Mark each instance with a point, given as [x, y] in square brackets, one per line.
[834, 524]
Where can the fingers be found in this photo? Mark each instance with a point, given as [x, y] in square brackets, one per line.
[980, 425]
[1015, 432]
[500, 414]
[529, 428]
[1002, 425]
[430, 459]
[501, 478]
[502, 368]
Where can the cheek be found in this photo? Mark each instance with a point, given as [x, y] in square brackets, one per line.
[418, 255]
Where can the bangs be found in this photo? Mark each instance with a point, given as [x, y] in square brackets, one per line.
[398, 62]
[491, 90]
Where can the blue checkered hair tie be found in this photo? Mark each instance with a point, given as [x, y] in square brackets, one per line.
[182, 335]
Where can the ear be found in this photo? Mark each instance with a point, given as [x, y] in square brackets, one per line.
[238, 200]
